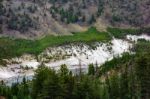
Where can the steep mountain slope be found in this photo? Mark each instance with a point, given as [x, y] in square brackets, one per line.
[30, 18]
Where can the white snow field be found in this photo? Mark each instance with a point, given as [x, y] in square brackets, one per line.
[99, 55]
[6, 73]
[74, 56]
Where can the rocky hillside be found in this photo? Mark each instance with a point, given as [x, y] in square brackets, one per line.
[33, 18]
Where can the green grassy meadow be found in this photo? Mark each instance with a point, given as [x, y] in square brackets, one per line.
[10, 47]
[15, 47]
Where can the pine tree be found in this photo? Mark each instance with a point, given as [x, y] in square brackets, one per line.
[24, 87]
[91, 69]
[41, 75]
[114, 84]
[92, 20]
[124, 92]
[143, 74]
[51, 87]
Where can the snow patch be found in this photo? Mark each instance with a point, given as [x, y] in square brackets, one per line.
[30, 64]
[99, 55]
[6, 73]
[135, 37]
[77, 56]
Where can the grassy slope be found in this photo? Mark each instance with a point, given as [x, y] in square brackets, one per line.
[121, 33]
[15, 47]
[116, 63]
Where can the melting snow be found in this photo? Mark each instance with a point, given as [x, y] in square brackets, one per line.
[83, 56]
[6, 73]
[135, 37]
[30, 64]
[99, 55]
